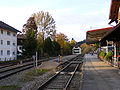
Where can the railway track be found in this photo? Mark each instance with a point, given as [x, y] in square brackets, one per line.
[23, 61]
[4, 66]
[78, 57]
[64, 78]
[8, 70]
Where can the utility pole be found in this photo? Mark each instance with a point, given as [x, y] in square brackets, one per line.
[36, 59]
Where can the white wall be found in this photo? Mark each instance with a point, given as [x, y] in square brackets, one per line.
[5, 47]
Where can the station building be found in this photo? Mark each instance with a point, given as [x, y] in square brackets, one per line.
[113, 36]
[109, 37]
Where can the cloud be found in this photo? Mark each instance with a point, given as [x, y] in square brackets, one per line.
[75, 25]
[16, 17]
[69, 20]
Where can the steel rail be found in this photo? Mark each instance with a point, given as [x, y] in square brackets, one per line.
[4, 66]
[57, 74]
[15, 67]
[50, 79]
[13, 71]
[69, 81]
[18, 66]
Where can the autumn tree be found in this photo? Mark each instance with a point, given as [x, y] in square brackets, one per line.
[67, 49]
[73, 42]
[40, 44]
[85, 48]
[56, 48]
[48, 46]
[30, 31]
[45, 24]
[30, 26]
[61, 38]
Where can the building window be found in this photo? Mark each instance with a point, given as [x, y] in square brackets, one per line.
[8, 42]
[20, 48]
[8, 33]
[13, 53]
[14, 35]
[1, 42]
[8, 52]
[13, 44]
[1, 31]
[1, 52]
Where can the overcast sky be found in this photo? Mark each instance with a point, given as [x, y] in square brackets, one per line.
[73, 17]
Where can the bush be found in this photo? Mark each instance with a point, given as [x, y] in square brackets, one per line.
[37, 72]
[108, 56]
[102, 54]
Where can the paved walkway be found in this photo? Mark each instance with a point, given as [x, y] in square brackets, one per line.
[98, 75]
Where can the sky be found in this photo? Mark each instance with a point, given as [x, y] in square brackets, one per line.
[73, 17]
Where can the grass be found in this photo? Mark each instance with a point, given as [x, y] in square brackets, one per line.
[10, 87]
[10, 61]
[37, 72]
[30, 75]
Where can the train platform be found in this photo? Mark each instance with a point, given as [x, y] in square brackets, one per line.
[98, 75]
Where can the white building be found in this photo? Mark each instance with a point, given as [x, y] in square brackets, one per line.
[76, 50]
[8, 42]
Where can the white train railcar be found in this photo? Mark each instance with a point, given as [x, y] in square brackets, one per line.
[76, 50]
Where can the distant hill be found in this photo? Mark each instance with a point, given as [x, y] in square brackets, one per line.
[80, 42]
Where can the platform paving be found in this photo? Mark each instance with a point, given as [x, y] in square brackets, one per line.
[98, 75]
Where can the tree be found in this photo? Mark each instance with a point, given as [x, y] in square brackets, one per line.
[61, 38]
[73, 42]
[30, 26]
[45, 24]
[67, 49]
[40, 44]
[56, 50]
[86, 48]
[30, 44]
[48, 46]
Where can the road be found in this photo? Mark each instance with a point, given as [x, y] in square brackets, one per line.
[98, 75]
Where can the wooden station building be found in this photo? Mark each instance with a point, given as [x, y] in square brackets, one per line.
[109, 36]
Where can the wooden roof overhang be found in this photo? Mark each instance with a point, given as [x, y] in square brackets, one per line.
[114, 10]
[20, 39]
[113, 35]
[94, 36]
